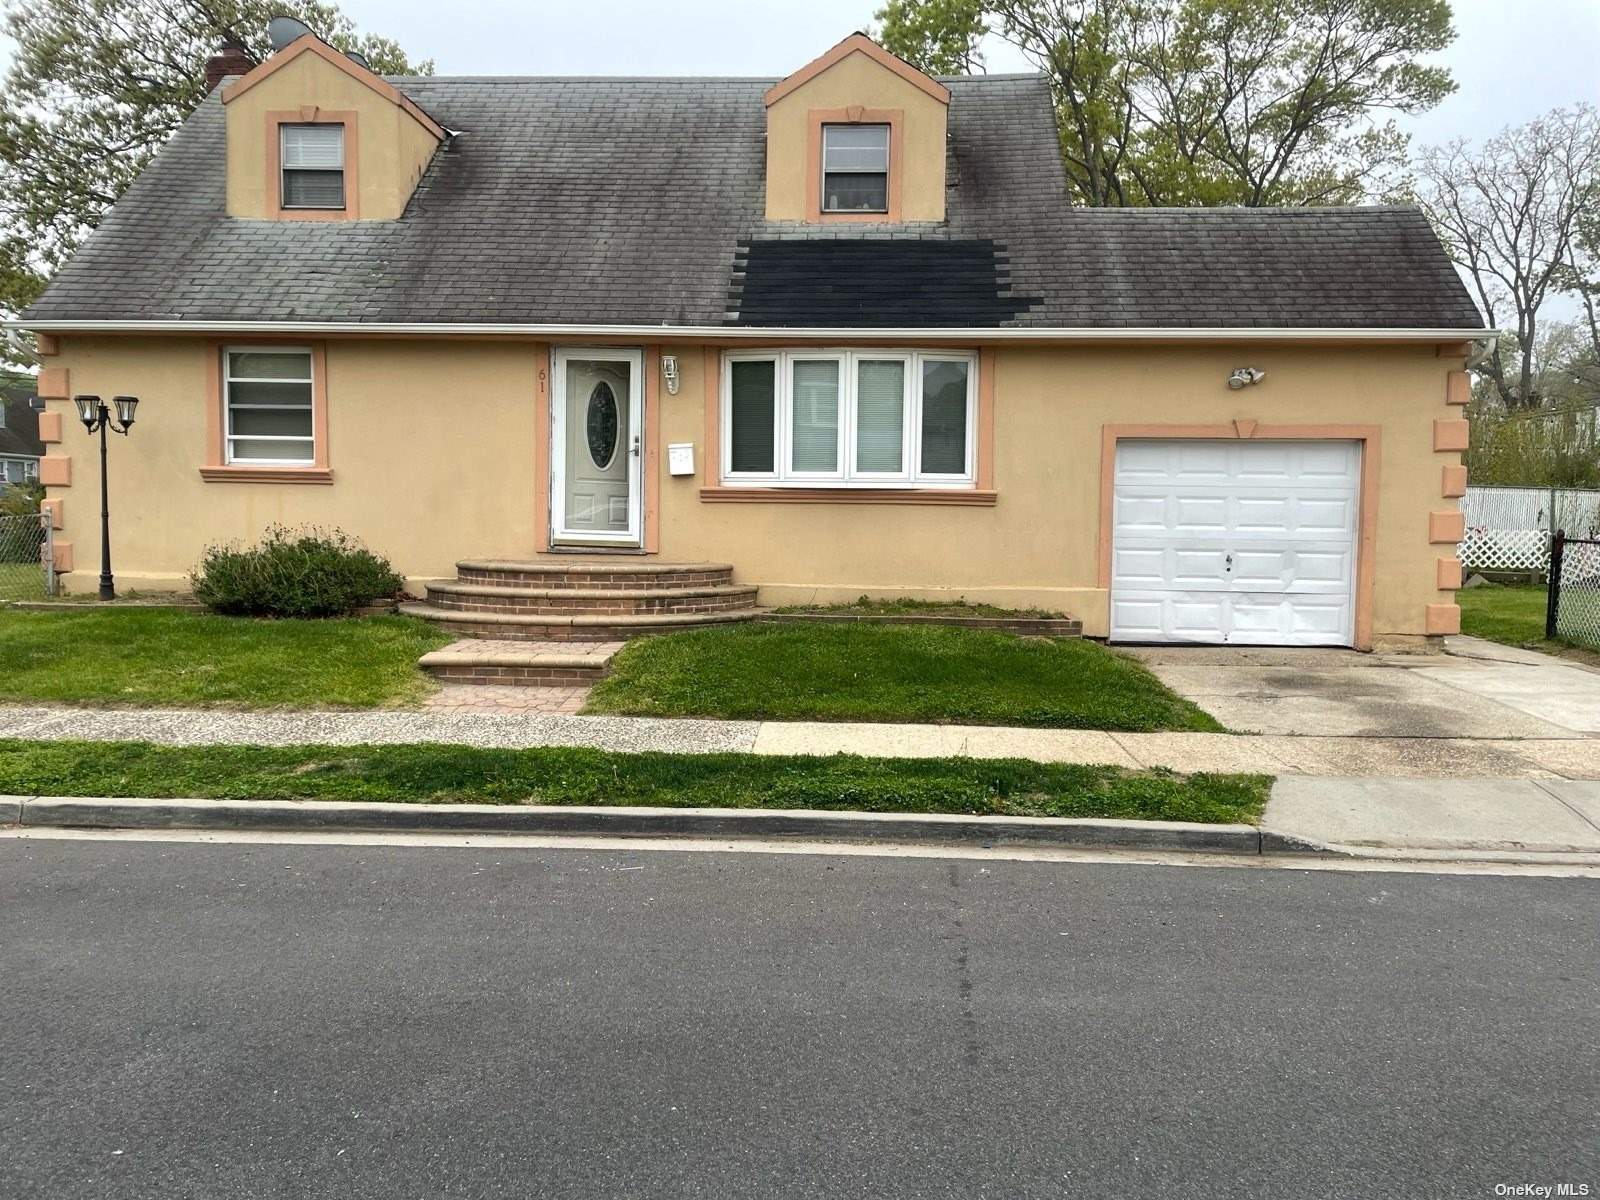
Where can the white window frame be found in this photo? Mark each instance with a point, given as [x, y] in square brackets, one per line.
[823, 172]
[783, 475]
[229, 437]
[341, 170]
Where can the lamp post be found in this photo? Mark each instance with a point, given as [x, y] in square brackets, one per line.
[97, 418]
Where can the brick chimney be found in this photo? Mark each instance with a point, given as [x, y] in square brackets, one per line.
[231, 59]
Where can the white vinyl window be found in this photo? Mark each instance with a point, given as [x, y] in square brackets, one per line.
[848, 418]
[855, 168]
[267, 398]
[311, 158]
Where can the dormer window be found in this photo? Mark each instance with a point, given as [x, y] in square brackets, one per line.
[312, 161]
[855, 168]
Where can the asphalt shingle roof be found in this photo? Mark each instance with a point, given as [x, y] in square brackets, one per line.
[638, 201]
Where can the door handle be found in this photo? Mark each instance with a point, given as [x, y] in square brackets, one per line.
[1227, 562]
[635, 450]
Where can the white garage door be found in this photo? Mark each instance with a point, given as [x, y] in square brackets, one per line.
[1237, 542]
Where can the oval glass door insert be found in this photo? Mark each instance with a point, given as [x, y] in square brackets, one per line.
[600, 423]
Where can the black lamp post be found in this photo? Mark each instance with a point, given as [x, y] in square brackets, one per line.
[96, 418]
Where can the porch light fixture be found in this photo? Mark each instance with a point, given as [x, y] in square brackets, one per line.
[96, 417]
[1245, 376]
[669, 373]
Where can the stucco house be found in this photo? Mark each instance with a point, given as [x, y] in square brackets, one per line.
[842, 332]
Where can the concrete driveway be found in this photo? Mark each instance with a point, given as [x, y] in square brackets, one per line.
[1477, 689]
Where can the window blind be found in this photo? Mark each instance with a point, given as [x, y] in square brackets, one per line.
[880, 415]
[815, 429]
[944, 418]
[755, 395]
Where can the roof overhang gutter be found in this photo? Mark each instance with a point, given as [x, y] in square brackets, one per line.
[722, 333]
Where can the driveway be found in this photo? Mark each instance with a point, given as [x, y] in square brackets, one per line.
[1477, 689]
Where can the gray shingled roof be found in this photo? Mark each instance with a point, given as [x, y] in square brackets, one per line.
[625, 201]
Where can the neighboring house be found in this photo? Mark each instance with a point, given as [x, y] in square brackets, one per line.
[842, 330]
[20, 447]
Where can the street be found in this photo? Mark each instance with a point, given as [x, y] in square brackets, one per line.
[251, 1020]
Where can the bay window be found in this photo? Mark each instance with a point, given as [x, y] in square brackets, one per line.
[848, 418]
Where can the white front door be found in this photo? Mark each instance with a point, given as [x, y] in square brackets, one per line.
[596, 423]
[1235, 542]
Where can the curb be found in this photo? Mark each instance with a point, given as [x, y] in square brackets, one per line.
[63, 812]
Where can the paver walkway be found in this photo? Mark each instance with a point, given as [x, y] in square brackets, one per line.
[478, 697]
[1426, 758]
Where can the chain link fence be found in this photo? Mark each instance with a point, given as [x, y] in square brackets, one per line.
[1572, 611]
[26, 555]
[1509, 528]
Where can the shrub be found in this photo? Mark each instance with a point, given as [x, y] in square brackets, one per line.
[293, 573]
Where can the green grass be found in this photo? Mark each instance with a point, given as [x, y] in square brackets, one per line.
[22, 581]
[156, 656]
[1513, 614]
[905, 606]
[1510, 614]
[869, 672]
[460, 774]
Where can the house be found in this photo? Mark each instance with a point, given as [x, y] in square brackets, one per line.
[840, 331]
[20, 447]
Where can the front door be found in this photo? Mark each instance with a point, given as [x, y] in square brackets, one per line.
[595, 451]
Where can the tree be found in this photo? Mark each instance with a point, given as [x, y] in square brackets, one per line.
[1182, 102]
[94, 90]
[1509, 212]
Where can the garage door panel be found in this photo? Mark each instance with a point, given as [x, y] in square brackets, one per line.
[1235, 541]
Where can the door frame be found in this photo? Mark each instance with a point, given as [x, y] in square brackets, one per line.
[1370, 438]
[633, 536]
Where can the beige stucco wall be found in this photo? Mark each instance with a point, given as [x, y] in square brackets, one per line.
[856, 80]
[392, 149]
[432, 446]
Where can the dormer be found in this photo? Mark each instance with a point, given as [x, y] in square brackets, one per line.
[315, 136]
[856, 135]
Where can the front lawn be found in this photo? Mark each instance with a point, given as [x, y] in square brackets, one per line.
[164, 656]
[22, 581]
[871, 672]
[551, 775]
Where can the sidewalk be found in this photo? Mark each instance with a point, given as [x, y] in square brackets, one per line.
[1284, 755]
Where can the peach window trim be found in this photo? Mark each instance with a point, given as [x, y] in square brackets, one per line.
[216, 468]
[816, 118]
[1370, 437]
[312, 115]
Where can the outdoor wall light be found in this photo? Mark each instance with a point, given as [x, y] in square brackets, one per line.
[669, 372]
[96, 418]
[1245, 376]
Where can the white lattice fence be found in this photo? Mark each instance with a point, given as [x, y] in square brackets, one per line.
[1509, 528]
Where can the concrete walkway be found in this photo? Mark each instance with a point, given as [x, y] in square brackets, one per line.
[1389, 757]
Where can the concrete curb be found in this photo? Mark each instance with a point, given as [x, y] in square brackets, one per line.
[73, 812]
[89, 813]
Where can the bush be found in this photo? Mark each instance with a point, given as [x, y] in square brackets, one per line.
[293, 573]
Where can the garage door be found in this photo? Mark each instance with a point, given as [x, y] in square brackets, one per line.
[1236, 542]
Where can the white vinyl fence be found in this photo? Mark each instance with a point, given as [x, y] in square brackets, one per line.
[1509, 528]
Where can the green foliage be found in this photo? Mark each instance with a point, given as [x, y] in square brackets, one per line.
[166, 656]
[905, 606]
[873, 672]
[294, 573]
[21, 499]
[940, 36]
[94, 89]
[558, 775]
[1210, 102]
[1551, 441]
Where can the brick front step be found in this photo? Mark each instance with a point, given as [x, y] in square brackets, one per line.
[478, 597]
[556, 627]
[604, 575]
[511, 664]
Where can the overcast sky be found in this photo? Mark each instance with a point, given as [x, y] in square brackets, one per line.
[1512, 60]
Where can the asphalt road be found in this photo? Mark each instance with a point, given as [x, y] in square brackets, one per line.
[216, 1021]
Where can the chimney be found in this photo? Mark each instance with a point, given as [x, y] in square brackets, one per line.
[231, 59]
